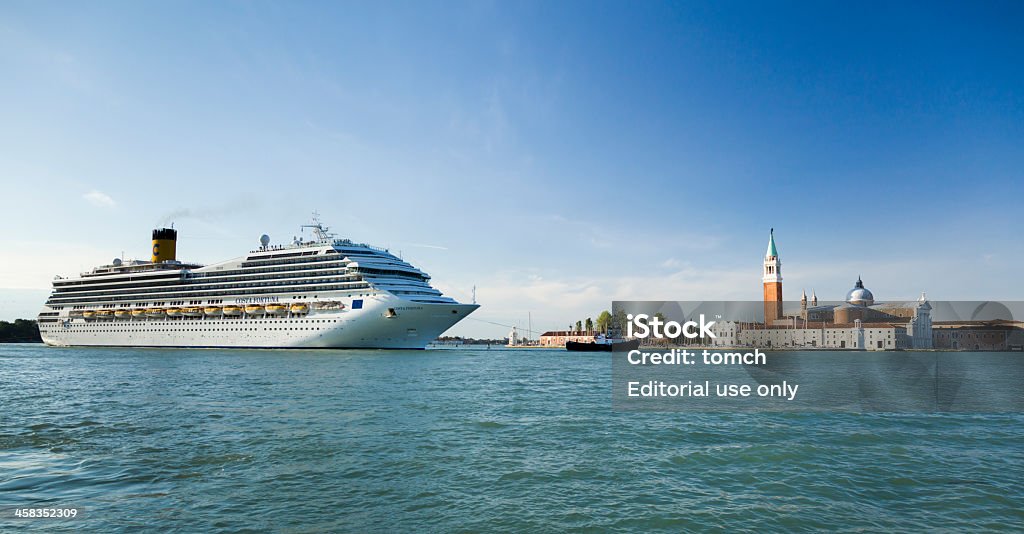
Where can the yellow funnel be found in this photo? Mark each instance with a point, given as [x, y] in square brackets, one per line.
[164, 244]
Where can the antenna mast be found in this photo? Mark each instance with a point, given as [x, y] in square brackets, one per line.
[321, 232]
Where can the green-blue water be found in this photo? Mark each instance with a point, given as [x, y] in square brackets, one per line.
[462, 440]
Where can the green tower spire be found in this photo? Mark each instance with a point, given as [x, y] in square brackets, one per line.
[771, 245]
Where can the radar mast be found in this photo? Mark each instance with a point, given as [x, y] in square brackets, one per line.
[321, 232]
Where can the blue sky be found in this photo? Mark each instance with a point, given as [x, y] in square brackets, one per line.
[557, 155]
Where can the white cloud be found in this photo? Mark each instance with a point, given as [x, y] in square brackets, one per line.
[99, 199]
[424, 245]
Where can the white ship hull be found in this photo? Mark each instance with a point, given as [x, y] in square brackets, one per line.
[412, 325]
[328, 293]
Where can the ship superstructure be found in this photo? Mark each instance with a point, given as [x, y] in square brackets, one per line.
[322, 293]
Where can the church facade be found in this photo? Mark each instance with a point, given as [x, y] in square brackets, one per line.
[857, 323]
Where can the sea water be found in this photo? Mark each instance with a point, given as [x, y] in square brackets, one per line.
[470, 439]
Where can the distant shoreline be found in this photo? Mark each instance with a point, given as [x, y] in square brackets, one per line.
[20, 331]
[812, 349]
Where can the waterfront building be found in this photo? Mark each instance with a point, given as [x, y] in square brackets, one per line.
[858, 322]
[558, 338]
[979, 335]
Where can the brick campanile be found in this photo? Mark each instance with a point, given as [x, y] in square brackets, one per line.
[772, 280]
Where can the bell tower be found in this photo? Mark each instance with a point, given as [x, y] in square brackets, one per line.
[772, 280]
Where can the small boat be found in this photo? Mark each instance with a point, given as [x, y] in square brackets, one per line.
[277, 309]
[105, 314]
[232, 311]
[139, 313]
[89, 314]
[75, 314]
[255, 309]
[156, 312]
[603, 345]
[213, 311]
[123, 314]
[174, 312]
[192, 311]
[300, 308]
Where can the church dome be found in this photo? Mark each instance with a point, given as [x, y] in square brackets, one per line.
[860, 295]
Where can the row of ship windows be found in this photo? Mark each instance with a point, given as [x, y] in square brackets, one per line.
[390, 272]
[249, 274]
[196, 302]
[405, 269]
[220, 276]
[286, 286]
[87, 279]
[264, 270]
[144, 304]
[177, 275]
[285, 255]
[117, 331]
[236, 293]
[322, 259]
[90, 328]
[140, 323]
[338, 280]
[262, 321]
[261, 266]
[206, 285]
[362, 249]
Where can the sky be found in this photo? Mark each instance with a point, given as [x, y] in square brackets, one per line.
[556, 156]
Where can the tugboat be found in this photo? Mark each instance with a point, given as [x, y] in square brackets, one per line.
[603, 344]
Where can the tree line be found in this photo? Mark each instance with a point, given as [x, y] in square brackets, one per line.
[20, 331]
[606, 322]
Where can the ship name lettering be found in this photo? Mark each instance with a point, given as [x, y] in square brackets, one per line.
[255, 300]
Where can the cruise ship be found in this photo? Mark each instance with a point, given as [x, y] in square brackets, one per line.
[320, 293]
